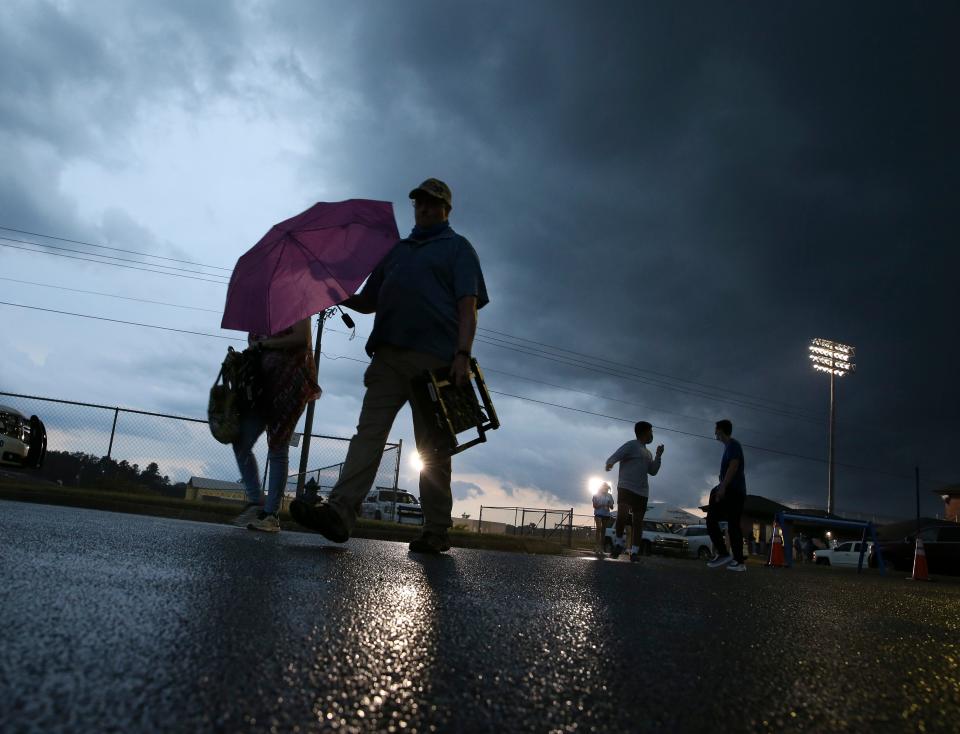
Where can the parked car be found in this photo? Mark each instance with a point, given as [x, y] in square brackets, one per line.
[655, 538]
[380, 504]
[844, 554]
[23, 441]
[941, 544]
[699, 544]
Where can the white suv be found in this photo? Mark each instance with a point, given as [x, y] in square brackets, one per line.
[23, 441]
[698, 541]
[380, 504]
[656, 538]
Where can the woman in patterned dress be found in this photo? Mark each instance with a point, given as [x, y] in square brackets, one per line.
[288, 377]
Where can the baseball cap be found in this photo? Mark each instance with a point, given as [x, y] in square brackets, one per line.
[436, 188]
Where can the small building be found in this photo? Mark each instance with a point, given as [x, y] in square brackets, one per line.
[202, 488]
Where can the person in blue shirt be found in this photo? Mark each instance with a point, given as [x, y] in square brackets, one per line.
[726, 502]
[425, 293]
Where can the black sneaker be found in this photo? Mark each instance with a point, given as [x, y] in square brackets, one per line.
[320, 517]
[617, 549]
[430, 543]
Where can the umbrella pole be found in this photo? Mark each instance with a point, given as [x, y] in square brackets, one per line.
[308, 421]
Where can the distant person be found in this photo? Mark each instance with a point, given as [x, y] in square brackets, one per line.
[798, 548]
[426, 294]
[726, 502]
[808, 549]
[288, 378]
[602, 514]
[633, 489]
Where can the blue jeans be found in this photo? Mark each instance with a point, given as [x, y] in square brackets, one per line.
[278, 460]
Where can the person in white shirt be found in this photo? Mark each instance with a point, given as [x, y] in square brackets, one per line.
[602, 513]
[633, 490]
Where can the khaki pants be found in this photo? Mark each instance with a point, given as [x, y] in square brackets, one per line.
[387, 380]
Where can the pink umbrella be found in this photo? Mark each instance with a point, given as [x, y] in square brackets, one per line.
[308, 263]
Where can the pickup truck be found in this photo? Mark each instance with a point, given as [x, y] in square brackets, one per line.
[845, 554]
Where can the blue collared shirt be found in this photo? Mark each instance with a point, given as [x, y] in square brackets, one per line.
[416, 289]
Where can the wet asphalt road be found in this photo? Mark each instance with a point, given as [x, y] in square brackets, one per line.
[115, 622]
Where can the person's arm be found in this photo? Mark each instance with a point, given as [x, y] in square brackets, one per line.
[298, 336]
[728, 477]
[466, 330]
[361, 303]
[655, 464]
[617, 455]
[366, 300]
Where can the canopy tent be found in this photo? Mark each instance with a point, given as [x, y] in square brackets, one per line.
[662, 512]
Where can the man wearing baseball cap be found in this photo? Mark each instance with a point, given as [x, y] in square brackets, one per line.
[426, 294]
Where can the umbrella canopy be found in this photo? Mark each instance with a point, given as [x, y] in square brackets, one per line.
[308, 263]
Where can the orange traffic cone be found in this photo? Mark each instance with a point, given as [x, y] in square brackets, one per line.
[919, 564]
[776, 550]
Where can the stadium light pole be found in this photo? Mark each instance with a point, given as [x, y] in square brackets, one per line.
[837, 360]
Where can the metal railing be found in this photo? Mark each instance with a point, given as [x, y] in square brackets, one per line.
[112, 447]
[544, 523]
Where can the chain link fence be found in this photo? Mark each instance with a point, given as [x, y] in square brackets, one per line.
[554, 525]
[122, 449]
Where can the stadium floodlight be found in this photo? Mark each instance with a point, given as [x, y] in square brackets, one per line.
[835, 359]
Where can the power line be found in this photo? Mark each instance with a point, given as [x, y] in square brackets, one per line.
[755, 402]
[102, 262]
[634, 368]
[111, 295]
[114, 249]
[528, 352]
[504, 394]
[646, 381]
[612, 372]
[109, 257]
[711, 438]
[120, 321]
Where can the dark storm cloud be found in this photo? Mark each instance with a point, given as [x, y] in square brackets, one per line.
[693, 191]
[76, 79]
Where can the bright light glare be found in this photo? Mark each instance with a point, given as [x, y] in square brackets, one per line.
[832, 357]
[416, 462]
[594, 484]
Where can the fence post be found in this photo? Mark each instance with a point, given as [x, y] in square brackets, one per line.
[113, 430]
[570, 530]
[396, 471]
[311, 406]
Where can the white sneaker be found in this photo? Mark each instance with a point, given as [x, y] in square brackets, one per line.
[265, 522]
[735, 566]
[719, 561]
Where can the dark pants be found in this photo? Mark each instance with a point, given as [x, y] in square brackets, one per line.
[388, 383]
[633, 506]
[730, 508]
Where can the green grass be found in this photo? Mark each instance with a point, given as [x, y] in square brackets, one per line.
[224, 512]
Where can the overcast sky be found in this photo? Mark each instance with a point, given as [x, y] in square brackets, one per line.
[683, 193]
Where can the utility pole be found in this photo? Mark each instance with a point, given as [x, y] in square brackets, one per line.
[916, 475]
[835, 359]
[311, 406]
